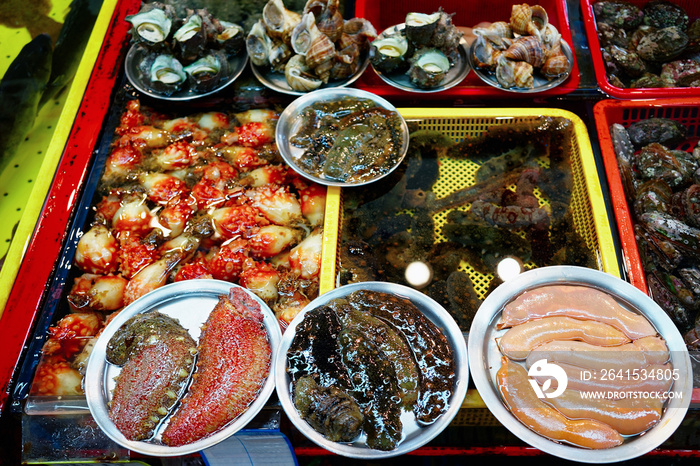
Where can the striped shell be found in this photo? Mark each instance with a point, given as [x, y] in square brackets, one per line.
[520, 18]
[511, 73]
[495, 32]
[279, 21]
[320, 56]
[529, 49]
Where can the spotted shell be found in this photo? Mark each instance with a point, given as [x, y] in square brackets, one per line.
[529, 49]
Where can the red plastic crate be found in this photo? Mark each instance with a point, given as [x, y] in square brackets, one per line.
[626, 112]
[692, 7]
[386, 13]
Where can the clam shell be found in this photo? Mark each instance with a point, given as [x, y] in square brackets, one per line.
[529, 49]
[663, 44]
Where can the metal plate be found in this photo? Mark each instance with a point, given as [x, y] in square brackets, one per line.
[540, 83]
[456, 75]
[485, 360]
[290, 122]
[277, 82]
[236, 65]
[190, 302]
[414, 436]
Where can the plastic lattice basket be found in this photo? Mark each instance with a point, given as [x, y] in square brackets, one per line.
[691, 7]
[587, 206]
[607, 112]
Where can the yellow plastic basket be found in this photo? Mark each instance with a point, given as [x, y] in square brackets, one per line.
[587, 204]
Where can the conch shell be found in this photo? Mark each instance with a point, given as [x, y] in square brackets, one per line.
[556, 63]
[529, 49]
[485, 54]
[320, 55]
[347, 62]
[304, 34]
[496, 33]
[511, 73]
[258, 44]
[328, 19]
[278, 20]
[528, 20]
[359, 31]
[299, 76]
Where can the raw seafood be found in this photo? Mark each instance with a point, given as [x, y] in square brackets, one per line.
[518, 341]
[513, 384]
[637, 354]
[381, 351]
[629, 416]
[329, 410]
[349, 139]
[233, 364]
[580, 302]
[429, 345]
[157, 357]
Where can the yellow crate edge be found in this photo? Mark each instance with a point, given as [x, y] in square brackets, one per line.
[590, 171]
[26, 226]
[331, 226]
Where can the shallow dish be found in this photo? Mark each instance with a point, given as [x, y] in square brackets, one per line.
[290, 122]
[485, 360]
[540, 82]
[414, 436]
[277, 82]
[190, 302]
[400, 80]
[236, 65]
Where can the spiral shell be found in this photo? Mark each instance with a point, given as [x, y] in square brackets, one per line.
[529, 49]
[278, 20]
[304, 34]
[330, 21]
[555, 65]
[320, 56]
[299, 76]
[511, 73]
[495, 33]
[346, 63]
[359, 31]
[520, 18]
[258, 44]
[538, 21]
[485, 54]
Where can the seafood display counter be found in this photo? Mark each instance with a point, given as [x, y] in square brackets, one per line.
[213, 169]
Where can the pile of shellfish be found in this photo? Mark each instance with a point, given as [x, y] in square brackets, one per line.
[183, 52]
[651, 46]
[425, 48]
[310, 48]
[513, 50]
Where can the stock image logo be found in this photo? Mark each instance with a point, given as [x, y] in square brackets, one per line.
[542, 368]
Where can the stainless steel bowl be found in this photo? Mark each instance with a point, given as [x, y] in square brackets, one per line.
[485, 360]
[290, 122]
[236, 65]
[190, 302]
[414, 435]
